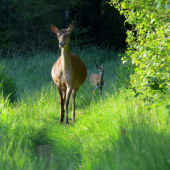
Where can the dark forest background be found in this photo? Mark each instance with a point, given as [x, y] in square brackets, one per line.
[25, 25]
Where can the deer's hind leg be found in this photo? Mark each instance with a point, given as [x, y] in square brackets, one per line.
[68, 93]
[73, 103]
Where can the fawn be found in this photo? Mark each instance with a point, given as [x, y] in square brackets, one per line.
[97, 80]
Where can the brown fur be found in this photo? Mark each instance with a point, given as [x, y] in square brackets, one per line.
[97, 80]
[69, 72]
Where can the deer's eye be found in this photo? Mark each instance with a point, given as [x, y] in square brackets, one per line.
[58, 34]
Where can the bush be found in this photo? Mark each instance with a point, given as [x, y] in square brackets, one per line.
[148, 44]
[7, 87]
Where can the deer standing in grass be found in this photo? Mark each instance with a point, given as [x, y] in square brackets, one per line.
[69, 72]
[97, 80]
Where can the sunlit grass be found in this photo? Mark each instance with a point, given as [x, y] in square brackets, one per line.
[115, 131]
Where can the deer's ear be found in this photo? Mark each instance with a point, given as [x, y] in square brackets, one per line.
[71, 27]
[102, 65]
[97, 66]
[54, 29]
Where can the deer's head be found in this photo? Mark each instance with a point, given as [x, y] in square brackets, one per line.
[100, 69]
[63, 34]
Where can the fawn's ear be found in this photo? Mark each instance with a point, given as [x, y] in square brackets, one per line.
[102, 65]
[71, 27]
[54, 29]
[97, 66]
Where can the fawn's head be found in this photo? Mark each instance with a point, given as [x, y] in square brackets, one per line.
[63, 34]
[101, 70]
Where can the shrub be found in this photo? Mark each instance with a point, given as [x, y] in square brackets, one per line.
[148, 44]
[7, 87]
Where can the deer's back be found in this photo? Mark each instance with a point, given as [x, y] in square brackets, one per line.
[96, 80]
[79, 68]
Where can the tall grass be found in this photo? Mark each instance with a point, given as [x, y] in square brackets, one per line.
[115, 131]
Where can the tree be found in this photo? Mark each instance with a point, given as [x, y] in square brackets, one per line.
[107, 26]
[25, 24]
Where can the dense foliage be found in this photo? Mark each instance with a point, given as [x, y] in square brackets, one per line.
[148, 44]
[25, 24]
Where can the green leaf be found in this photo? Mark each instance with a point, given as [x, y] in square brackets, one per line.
[148, 48]
[158, 4]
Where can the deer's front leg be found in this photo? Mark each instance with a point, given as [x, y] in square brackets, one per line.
[68, 93]
[101, 91]
[61, 105]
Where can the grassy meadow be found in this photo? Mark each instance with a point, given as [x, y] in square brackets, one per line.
[114, 132]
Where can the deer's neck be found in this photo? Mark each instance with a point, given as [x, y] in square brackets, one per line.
[66, 56]
[100, 78]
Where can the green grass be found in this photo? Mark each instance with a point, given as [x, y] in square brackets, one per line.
[116, 131]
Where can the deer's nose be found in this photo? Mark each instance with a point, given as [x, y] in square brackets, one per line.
[61, 44]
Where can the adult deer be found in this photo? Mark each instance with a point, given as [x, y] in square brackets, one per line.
[69, 72]
[97, 80]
